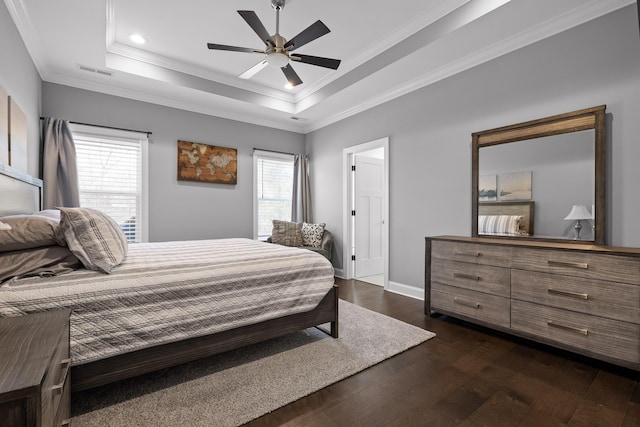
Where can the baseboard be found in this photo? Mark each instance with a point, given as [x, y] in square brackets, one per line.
[406, 290]
[395, 287]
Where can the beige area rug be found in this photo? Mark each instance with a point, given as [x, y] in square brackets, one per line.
[235, 387]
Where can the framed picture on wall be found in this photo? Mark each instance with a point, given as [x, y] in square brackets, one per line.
[4, 126]
[207, 163]
[17, 136]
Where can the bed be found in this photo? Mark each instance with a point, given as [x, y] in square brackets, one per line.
[511, 218]
[171, 302]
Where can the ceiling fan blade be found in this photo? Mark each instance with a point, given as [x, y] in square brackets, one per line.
[313, 31]
[257, 26]
[232, 48]
[317, 60]
[291, 75]
[254, 70]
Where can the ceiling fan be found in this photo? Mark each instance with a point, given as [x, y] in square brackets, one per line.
[277, 51]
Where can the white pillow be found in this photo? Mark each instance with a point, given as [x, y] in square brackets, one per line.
[94, 237]
[312, 234]
[499, 224]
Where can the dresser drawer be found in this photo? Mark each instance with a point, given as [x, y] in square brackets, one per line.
[472, 253]
[476, 305]
[579, 264]
[607, 299]
[55, 380]
[596, 335]
[482, 278]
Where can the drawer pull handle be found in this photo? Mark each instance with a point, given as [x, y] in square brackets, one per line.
[568, 294]
[462, 253]
[466, 276]
[568, 328]
[467, 304]
[580, 265]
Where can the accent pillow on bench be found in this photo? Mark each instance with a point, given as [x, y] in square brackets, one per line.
[286, 233]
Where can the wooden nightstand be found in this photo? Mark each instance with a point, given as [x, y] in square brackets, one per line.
[34, 370]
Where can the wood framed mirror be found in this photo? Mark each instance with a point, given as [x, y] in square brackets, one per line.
[534, 173]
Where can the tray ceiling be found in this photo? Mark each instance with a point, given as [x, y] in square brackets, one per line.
[387, 50]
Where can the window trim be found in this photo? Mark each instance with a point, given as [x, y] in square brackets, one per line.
[130, 136]
[257, 155]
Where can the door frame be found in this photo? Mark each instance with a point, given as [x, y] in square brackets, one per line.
[347, 195]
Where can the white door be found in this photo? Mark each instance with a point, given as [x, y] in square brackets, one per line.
[369, 220]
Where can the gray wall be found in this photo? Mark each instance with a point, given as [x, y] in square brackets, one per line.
[20, 78]
[430, 135]
[179, 210]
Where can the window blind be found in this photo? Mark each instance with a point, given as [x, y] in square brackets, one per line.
[110, 174]
[274, 190]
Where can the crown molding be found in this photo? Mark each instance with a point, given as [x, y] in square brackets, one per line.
[171, 102]
[29, 35]
[551, 27]
[563, 22]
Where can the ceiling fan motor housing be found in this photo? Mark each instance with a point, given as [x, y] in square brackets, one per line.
[277, 4]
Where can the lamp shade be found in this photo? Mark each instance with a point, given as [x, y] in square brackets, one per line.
[579, 212]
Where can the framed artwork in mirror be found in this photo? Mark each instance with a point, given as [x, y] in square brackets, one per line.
[515, 186]
[488, 188]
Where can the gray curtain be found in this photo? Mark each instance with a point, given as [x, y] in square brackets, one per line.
[301, 206]
[59, 168]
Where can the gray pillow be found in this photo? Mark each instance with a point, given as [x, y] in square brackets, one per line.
[94, 237]
[44, 261]
[29, 231]
[286, 233]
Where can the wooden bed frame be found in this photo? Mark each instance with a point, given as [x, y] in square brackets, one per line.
[23, 194]
[525, 209]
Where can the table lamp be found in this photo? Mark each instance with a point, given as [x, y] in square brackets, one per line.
[578, 213]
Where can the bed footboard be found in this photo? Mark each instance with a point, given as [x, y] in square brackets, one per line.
[139, 362]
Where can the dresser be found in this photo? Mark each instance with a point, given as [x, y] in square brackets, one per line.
[34, 370]
[581, 298]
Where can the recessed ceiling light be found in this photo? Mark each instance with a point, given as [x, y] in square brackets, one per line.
[137, 38]
[288, 86]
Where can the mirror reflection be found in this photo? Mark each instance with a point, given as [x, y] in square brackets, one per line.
[554, 172]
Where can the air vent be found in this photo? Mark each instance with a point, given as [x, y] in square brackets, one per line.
[95, 70]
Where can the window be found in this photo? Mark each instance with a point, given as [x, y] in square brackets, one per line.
[112, 176]
[273, 190]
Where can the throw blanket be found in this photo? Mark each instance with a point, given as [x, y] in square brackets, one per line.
[171, 291]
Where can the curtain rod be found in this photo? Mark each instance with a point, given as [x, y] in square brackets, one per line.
[272, 151]
[107, 127]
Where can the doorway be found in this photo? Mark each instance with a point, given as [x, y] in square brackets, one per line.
[366, 213]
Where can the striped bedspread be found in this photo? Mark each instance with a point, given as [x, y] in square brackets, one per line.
[171, 291]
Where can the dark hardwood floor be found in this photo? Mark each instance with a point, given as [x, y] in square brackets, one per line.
[466, 376]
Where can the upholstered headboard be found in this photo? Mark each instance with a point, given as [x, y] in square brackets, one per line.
[524, 209]
[19, 192]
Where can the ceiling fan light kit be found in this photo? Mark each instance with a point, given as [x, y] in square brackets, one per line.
[277, 48]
